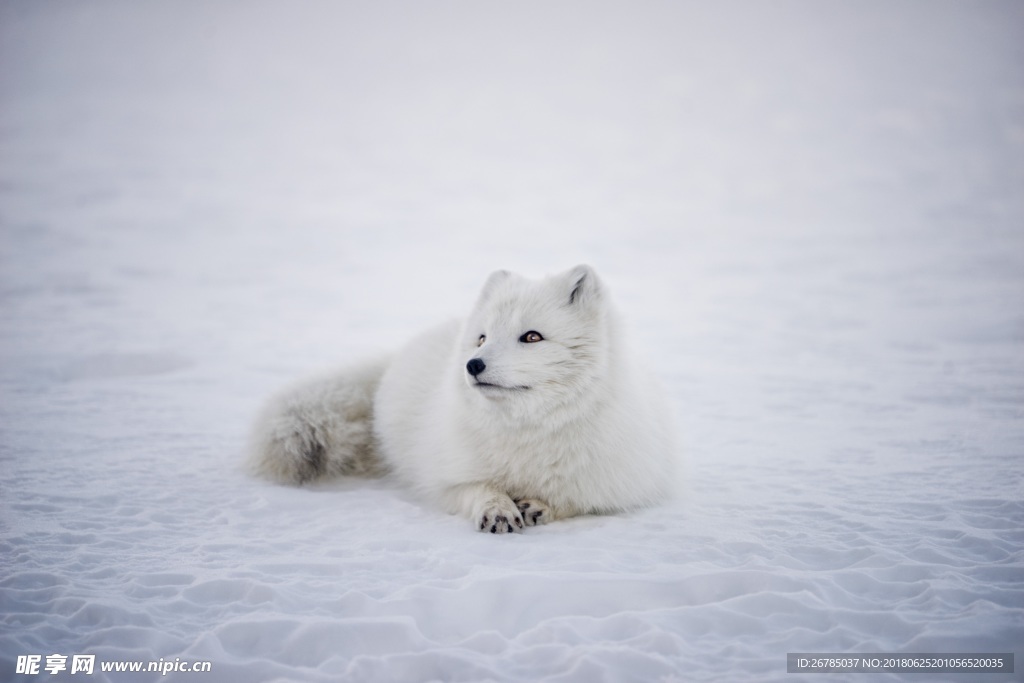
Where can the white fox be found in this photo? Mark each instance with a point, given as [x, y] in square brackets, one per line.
[527, 411]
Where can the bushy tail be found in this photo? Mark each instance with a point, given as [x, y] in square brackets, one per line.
[321, 428]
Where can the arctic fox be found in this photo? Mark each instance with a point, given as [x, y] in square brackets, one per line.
[527, 411]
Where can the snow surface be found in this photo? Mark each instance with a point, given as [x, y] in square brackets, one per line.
[811, 213]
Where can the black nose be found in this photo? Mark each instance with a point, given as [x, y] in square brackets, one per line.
[475, 367]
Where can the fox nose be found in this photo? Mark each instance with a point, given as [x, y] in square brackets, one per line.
[475, 367]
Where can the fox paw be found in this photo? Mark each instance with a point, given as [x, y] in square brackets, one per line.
[500, 518]
[534, 511]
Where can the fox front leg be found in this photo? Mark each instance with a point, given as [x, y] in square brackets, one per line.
[490, 508]
[534, 512]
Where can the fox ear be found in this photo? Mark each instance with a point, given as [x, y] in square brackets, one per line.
[493, 280]
[584, 287]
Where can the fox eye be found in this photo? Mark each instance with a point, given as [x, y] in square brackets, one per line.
[531, 337]
[481, 340]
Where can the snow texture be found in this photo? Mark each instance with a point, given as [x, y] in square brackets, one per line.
[811, 214]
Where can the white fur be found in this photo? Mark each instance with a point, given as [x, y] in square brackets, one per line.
[568, 425]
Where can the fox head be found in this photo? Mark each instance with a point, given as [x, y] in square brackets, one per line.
[543, 342]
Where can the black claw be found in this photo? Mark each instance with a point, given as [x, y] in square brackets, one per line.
[494, 529]
[519, 523]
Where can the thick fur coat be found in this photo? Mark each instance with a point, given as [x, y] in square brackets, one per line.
[527, 411]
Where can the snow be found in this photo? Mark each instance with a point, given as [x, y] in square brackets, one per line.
[810, 213]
